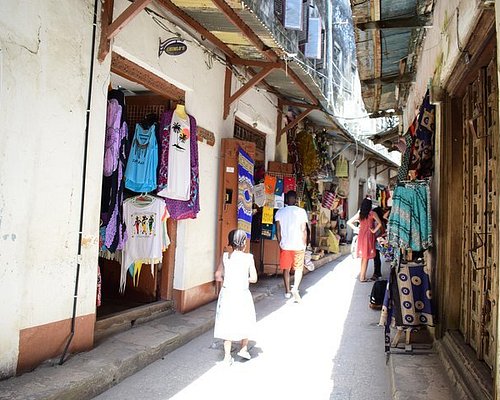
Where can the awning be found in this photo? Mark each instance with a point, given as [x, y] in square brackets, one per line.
[389, 35]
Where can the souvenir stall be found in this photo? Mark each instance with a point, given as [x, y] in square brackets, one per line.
[320, 192]
[150, 177]
[269, 196]
[408, 300]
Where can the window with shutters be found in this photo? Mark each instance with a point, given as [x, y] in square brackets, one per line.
[293, 17]
[279, 10]
[303, 34]
[247, 133]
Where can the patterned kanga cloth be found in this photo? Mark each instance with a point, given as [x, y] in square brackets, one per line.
[407, 301]
[245, 191]
[410, 225]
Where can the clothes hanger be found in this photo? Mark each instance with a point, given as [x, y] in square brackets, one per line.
[143, 199]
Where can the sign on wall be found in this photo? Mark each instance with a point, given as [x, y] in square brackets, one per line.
[172, 47]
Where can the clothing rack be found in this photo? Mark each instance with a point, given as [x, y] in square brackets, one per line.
[414, 181]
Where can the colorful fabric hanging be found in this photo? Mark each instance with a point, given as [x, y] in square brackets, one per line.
[289, 184]
[270, 184]
[259, 195]
[180, 209]
[267, 215]
[327, 200]
[410, 225]
[422, 151]
[278, 190]
[245, 191]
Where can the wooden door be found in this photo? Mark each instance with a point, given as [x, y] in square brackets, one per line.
[480, 214]
[228, 189]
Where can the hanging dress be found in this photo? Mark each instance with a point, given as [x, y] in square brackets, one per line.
[140, 174]
[116, 142]
[179, 209]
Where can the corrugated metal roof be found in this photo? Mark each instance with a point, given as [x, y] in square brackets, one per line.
[385, 55]
[271, 33]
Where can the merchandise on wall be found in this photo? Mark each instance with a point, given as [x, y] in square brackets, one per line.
[150, 174]
[407, 303]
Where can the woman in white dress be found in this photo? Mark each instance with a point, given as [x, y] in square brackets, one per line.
[235, 317]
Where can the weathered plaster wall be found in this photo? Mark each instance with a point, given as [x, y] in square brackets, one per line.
[203, 80]
[44, 75]
[440, 51]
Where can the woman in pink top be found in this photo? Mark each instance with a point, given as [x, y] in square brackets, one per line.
[369, 224]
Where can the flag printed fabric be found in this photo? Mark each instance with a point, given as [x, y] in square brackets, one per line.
[270, 184]
[289, 184]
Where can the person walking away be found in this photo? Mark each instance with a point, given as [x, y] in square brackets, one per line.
[366, 236]
[377, 262]
[235, 318]
[291, 231]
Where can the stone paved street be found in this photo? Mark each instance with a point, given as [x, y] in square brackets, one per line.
[327, 347]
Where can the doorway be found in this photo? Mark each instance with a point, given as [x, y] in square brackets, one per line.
[479, 294]
[145, 98]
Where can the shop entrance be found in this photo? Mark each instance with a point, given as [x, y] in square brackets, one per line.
[144, 97]
[479, 296]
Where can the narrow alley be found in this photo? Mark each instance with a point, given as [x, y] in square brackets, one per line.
[327, 347]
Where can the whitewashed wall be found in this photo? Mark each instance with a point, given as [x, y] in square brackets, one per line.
[44, 75]
[204, 85]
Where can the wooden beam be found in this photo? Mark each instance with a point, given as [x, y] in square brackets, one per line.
[227, 91]
[230, 99]
[129, 70]
[298, 104]
[176, 11]
[125, 17]
[260, 45]
[299, 118]
[254, 63]
[106, 20]
[382, 170]
[362, 162]
[418, 21]
[245, 30]
[251, 83]
[303, 86]
[279, 120]
[405, 78]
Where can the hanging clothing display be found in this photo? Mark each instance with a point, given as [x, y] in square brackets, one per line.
[245, 191]
[178, 208]
[145, 218]
[289, 183]
[410, 225]
[99, 284]
[278, 189]
[407, 301]
[140, 174]
[259, 195]
[422, 151]
[116, 143]
[179, 160]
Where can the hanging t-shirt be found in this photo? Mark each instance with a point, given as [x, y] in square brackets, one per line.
[179, 160]
[146, 233]
[140, 174]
